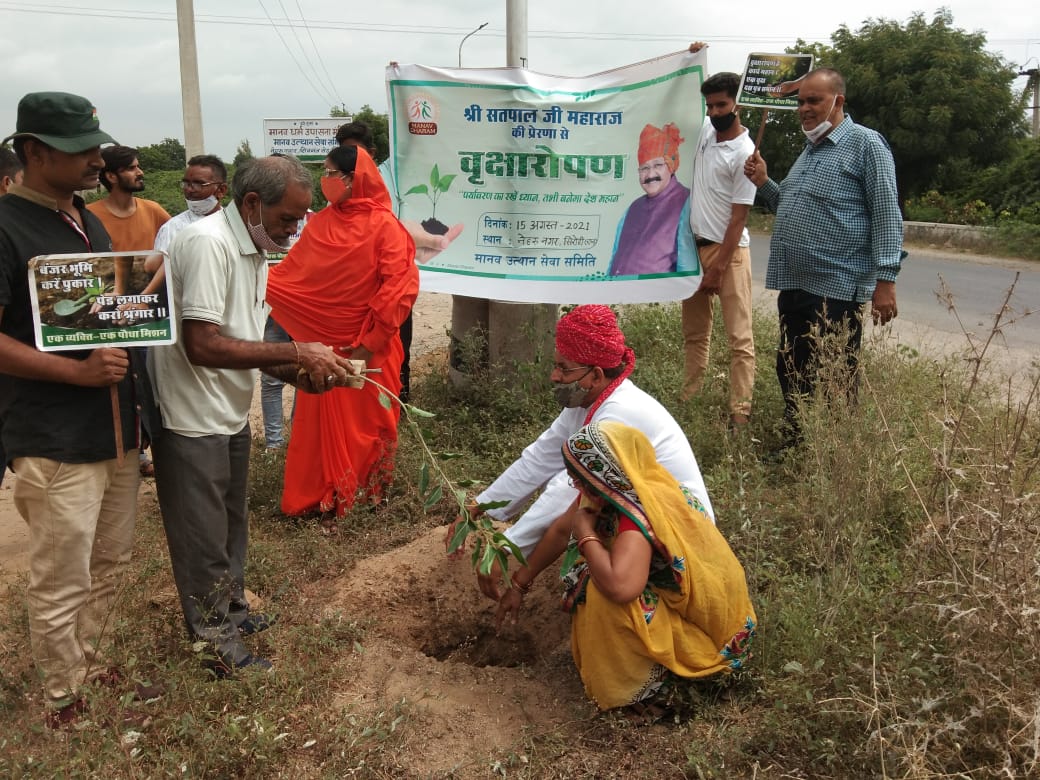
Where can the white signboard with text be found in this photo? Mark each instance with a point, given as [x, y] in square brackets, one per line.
[309, 140]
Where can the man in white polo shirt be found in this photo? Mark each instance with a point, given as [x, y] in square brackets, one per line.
[722, 197]
[204, 384]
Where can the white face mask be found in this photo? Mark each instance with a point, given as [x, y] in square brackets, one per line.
[823, 128]
[201, 208]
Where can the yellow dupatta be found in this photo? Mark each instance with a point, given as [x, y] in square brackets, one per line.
[694, 618]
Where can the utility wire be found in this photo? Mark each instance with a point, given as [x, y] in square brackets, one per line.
[317, 51]
[116, 13]
[303, 49]
[303, 73]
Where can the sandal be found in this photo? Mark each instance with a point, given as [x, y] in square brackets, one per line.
[147, 468]
[328, 526]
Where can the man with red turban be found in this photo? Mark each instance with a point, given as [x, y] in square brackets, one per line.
[590, 381]
[654, 237]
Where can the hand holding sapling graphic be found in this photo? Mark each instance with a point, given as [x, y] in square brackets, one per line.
[432, 236]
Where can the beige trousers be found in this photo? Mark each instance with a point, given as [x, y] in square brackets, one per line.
[697, 317]
[81, 528]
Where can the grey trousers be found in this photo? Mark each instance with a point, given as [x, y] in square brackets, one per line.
[201, 482]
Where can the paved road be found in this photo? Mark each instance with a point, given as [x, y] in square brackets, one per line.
[978, 284]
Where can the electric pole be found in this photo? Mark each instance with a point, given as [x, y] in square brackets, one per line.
[516, 333]
[191, 99]
[1034, 84]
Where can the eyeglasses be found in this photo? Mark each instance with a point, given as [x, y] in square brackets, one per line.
[565, 370]
[332, 172]
[188, 185]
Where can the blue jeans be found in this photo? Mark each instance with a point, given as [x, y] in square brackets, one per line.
[271, 391]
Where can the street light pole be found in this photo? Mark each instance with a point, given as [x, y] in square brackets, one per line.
[466, 37]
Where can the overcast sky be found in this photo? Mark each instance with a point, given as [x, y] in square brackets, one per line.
[122, 54]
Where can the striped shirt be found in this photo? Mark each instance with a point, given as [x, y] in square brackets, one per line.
[838, 228]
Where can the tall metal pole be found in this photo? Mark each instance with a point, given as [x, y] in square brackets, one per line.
[191, 97]
[516, 333]
[519, 333]
[466, 38]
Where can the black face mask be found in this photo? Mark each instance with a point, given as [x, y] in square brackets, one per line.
[723, 123]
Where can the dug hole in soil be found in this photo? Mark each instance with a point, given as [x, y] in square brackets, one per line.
[470, 693]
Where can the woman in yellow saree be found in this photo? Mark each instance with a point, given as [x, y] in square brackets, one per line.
[654, 590]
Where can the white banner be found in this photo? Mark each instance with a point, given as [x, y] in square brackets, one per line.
[552, 189]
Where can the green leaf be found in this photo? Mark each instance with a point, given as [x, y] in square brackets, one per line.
[503, 559]
[794, 667]
[462, 530]
[445, 183]
[384, 401]
[424, 479]
[418, 189]
[65, 307]
[433, 499]
[461, 497]
[435, 177]
[516, 550]
[492, 505]
[487, 558]
[419, 412]
[465, 483]
[448, 455]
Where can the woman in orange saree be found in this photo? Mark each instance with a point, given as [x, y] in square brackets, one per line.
[349, 281]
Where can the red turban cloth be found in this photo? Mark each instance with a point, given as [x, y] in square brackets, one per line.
[663, 142]
[590, 335]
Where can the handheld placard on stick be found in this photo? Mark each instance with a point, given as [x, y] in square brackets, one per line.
[771, 81]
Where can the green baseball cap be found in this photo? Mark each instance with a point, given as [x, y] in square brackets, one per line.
[66, 122]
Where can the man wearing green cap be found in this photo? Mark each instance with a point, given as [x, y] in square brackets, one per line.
[78, 498]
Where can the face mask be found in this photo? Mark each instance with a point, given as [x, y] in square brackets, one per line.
[571, 395]
[333, 188]
[201, 208]
[823, 128]
[723, 123]
[261, 238]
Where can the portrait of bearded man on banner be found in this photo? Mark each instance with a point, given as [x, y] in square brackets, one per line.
[654, 236]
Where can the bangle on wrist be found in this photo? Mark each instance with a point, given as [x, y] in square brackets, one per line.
[585, 540]
[522, 588]
[296, 347]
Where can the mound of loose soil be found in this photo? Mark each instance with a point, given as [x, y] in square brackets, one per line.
[473, 693]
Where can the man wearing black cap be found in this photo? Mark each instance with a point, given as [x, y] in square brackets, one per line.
[78, 499]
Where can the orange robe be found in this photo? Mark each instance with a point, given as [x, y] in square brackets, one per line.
[350, 280]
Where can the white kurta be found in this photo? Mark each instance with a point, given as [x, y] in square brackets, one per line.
[541, 463]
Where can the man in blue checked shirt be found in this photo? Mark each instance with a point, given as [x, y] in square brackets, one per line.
[837, 240]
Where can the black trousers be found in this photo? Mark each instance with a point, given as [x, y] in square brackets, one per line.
[406, 368]
[807, 322]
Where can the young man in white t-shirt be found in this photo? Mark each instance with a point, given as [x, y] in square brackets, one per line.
[719, 207]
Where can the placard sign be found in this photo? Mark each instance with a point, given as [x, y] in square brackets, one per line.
[772, 80]
[82, 301]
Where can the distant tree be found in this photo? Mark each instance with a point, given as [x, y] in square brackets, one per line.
[1012, 187]
[243, 153]
[168, 155]
[945, 105]
[379, 124]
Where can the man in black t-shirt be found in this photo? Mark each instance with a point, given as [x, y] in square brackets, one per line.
[77, 497]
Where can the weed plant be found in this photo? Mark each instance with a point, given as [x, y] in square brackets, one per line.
[894, 560]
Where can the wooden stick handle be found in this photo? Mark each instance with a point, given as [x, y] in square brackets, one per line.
[761, 128]
[113, 391]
